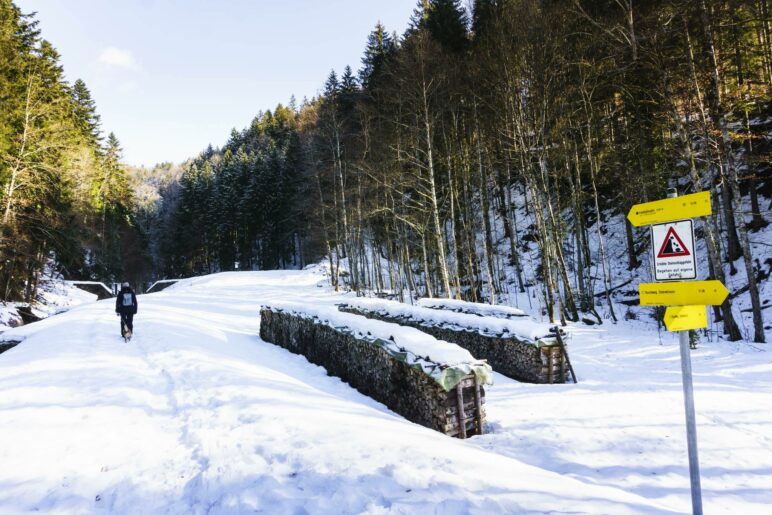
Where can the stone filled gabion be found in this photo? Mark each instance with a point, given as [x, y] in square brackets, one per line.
[507, 355]
[367, 367]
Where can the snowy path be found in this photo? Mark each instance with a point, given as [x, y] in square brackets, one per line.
[623, 424]
[198, 415]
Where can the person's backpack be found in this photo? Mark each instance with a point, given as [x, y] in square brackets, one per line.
[127, 300]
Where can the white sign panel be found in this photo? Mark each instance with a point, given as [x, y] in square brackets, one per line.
[673, 245]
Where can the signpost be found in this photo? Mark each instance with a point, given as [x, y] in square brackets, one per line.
[666, 210]
[683, 294]
[675, 257]
[672, 237]
[683, 318]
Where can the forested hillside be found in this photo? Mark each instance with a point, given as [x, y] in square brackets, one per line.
[242, 205]
[489, 150]
[413, 171]
[65, 196]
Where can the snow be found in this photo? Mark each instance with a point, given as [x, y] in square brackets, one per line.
[472, 308]
[9, 317]
[525, 329]
[198, 415]
[91, 283]
[623, 282]
[435, 357]
[162, 282]
[54, 296]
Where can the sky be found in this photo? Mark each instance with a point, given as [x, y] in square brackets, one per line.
[170, 77]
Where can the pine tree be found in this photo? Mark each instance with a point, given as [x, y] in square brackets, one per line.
[380, 46]
[331, 86]
[484, 16]
[446, 21]
[348, 83]
[84, 111]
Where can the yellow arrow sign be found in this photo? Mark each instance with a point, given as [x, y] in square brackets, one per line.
[683, 318]
[682, 294]
[669, 209]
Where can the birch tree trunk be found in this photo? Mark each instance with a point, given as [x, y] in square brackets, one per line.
[709, 225]
[485, 207]
[443, 262]
[720, 116]
[328, 248]
[599, 220]
[17, 168]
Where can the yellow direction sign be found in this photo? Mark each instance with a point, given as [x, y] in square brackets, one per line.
[689, 293]
[683, 318]
[669, 209]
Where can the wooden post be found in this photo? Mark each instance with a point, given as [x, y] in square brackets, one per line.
[478, 405]
[563, 369]
[550, 366]
[460, 414]
[565, 352]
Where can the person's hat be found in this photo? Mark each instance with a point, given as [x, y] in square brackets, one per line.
[125, 285]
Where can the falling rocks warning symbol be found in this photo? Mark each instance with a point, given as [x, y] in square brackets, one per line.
[672, 246]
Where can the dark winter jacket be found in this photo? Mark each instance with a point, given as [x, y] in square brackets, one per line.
[125, 304]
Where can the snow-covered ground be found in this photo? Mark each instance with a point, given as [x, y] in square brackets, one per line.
[198, 415]
[54, 296]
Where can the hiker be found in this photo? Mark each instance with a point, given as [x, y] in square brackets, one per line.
[126, 307]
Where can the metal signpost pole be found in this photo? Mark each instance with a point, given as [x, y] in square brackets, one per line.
[691, 425]
[672, 232]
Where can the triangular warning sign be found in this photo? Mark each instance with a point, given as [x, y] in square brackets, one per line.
[672, 246]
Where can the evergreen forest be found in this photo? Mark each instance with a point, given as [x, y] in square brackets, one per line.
[66, 197]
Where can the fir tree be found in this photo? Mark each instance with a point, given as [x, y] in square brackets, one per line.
[348, 83]
[446, 21]
[84, 111]
[380, 46]
[331, 86]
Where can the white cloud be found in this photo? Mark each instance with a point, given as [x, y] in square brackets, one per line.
[112, 56]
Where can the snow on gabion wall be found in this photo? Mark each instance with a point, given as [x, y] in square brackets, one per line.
[519, 360]
[367, 367]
